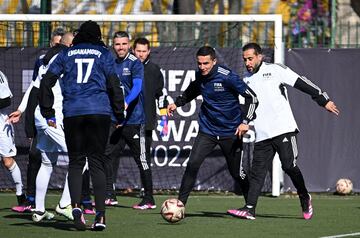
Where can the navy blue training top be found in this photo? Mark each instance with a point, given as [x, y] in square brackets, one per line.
[131, 69]
[85, 68]
[220, 112]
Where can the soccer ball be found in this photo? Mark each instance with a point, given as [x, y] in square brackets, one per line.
[172, 210]
[344, 186]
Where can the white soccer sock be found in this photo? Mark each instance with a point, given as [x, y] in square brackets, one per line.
[16, 176]
[65, 197]
[42, 182]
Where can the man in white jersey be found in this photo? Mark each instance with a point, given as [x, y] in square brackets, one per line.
[34, 162]
[7, 144]
[51, 141]
[275, 126]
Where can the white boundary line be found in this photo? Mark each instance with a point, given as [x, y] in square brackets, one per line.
[342, 235]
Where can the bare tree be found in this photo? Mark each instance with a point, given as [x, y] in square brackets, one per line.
[24, 7]
[185, 31]
[355, 4]
[234, 28]
[210, 32]
[235, 6]
[161, 28]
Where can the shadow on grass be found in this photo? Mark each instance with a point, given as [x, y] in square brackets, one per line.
[279, 216]
[118, 206]
[23, 216]
[189, 215]
[165, 223]
[207, 214]
[5, 209]
[225, 215]
[58, 225]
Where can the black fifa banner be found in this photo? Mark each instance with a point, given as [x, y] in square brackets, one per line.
[328, 145]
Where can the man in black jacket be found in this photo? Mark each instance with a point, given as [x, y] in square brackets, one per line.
[153, 86]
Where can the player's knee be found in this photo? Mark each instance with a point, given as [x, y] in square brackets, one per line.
[8, 162]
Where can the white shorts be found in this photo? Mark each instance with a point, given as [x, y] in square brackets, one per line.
[51, 139]
[7, 143]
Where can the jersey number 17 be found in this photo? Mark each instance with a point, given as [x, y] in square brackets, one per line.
[80, 65]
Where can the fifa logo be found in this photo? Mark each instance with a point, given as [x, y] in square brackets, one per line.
[218, 87]
[267, 75]
[126, 72]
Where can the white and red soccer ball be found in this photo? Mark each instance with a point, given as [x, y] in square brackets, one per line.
[172, 210]
[344, 186]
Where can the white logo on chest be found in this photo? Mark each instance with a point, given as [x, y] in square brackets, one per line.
[218, 87]
[126, 71]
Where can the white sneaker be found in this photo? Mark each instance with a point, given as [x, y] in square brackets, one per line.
[66, 211]
[38, 216]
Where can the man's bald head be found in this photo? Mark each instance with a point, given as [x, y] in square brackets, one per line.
[67, 39]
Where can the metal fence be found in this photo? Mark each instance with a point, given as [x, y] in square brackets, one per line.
[217, 34]
[346, 35]
[179, 34]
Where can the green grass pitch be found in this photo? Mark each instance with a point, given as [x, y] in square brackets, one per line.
[205, 217]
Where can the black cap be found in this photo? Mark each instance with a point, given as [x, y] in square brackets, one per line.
[91, 28]
[89, 32]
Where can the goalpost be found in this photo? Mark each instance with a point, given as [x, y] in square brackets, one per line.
[175, 31]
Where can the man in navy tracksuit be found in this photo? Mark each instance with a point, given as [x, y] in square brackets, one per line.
[91, 91]
[221, 120]
[132, 130]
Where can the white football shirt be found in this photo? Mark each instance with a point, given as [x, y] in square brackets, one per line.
[4, 87]
[5, 92]
[273, 115]
[7, 144]
[40, 121]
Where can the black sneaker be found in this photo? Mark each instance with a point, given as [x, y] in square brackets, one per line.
[244, 213]
[111, 200]
[306, 206]
[99, 223]
[88, 208]
[23, 204]
[31, 201]
[79, 220]
[145, 204]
